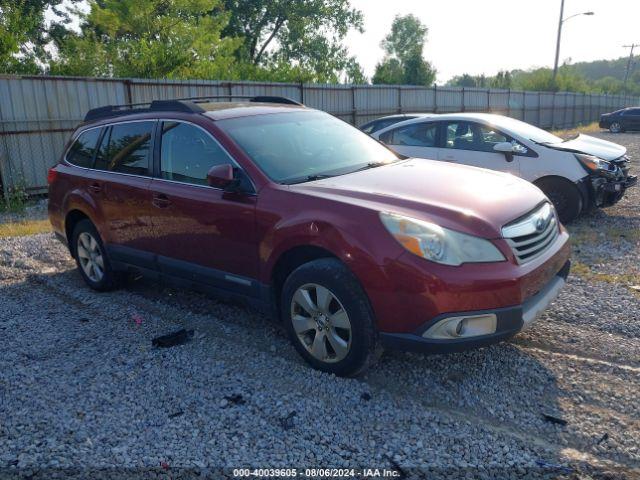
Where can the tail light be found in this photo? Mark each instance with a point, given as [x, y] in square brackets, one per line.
[52, 174]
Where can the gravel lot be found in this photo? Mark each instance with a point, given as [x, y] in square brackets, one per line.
[82, 389]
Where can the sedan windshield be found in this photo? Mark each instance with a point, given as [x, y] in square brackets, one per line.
[525, 130]
[305, 145]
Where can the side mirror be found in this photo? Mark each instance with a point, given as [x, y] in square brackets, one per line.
[504, 147]
[221, 176]
[509, 149]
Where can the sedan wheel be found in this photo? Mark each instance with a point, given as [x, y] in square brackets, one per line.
[615, 127]
[321, 323]
[90, 257]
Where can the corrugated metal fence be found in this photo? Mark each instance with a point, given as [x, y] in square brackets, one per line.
[37, 114]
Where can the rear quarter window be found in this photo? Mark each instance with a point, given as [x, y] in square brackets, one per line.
[82, 150]
[126, 148]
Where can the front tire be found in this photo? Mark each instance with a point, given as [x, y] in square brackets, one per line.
[565, 197]
[615, 127]
[328, 318]
[91, 257]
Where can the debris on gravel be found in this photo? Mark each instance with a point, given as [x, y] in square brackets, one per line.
[82, 390]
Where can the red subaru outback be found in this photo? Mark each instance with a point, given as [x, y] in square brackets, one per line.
[294, 210]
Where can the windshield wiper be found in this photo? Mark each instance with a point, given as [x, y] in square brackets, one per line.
[310, 178]
[321, 176]
[370, 165]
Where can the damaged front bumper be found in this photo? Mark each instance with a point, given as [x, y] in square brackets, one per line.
[607, 192]
[606, 188]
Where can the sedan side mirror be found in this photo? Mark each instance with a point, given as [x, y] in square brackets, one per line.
[504, 147]
[221, 176]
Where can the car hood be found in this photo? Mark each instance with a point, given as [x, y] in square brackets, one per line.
[591, 146]
[469, 199]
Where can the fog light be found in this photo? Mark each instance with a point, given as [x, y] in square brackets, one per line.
[463, 327]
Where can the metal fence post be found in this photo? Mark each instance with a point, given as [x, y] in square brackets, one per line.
[508, 102]
[435, 98]
[489, 100]
[127, 90]
[539, 110]
[462, 106]
[354, 115]
[301, 87]
[399, 99]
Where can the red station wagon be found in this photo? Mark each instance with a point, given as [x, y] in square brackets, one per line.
[352, 247]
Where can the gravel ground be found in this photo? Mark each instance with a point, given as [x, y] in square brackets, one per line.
[82, 389]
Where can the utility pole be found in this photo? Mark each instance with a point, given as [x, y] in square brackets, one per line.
[560, 22]
[629, 63]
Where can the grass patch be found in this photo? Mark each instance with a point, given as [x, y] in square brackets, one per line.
[627, 280]
[27, 227]
[572, 132]
[581, 236]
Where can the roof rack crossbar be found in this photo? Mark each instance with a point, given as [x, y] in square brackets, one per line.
[187, 105]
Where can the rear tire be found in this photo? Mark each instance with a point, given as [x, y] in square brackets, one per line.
[91, 258]
[328, 318]
[565, 197]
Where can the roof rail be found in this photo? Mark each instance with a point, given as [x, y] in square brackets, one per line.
[187, 105]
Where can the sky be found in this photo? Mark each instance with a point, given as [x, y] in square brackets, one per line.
[485, 36]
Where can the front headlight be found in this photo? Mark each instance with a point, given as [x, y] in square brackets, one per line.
[438, 244]
[592, 163]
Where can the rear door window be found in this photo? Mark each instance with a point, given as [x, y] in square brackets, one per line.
[82, 151]
[187, 153]
[414, 135]
[126, 148]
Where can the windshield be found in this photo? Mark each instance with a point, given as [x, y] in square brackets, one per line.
[525, 130]
[304, 145]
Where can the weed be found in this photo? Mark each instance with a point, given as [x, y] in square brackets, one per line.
[14, 200]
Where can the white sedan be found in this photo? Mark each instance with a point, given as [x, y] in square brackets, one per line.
[576, 174]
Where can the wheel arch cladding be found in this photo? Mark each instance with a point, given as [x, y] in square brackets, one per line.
[70, 221]
[288, 261]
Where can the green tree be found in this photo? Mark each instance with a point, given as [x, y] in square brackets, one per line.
[389, 72]
[149, 39]
[404, 47]
[464, 80]
[354, 73]
[304, 34]
[502, 79]
[23, 34]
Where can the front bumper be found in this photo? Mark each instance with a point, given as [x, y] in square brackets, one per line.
[510, 320]
[609, 192]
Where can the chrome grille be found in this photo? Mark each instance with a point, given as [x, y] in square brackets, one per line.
[530, 236]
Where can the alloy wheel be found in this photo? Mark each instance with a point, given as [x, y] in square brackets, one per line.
[321, 323]
[90, 257]
[615, 127]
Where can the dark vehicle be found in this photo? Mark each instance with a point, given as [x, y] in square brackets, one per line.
[621, 120]
[303, 215]
[383, 122]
